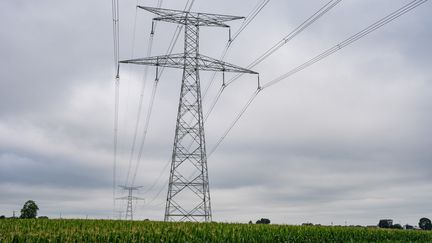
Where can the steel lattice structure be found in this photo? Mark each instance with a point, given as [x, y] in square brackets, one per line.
[188, 197]
[130, 198]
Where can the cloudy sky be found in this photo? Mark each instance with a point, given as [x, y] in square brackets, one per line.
[346, 140]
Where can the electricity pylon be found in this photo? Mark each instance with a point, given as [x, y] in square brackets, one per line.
[130, 198]
[188, 197]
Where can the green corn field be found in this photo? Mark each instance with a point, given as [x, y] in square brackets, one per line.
[46, 230]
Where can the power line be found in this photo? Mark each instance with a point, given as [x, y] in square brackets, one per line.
[140, 104]
[158, 193]
[239, 115]
[150, 41]
[116, 42]
[313, 18]
[146, 125]
[158, 178]
[141, 98]
[134, 30]
[250, 17]
[387, 19]
[115, 18]
[131, 56]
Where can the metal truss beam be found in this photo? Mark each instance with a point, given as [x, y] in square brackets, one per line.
[190, 18]
[204, 63]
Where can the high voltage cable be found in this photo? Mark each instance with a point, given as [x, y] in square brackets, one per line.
[243, 110]
[250, 17]
[188, 6]
[313, 18]
[157, 194]
[147, 122]
[141, 100]
[394, 15]
[323, 10]
[132, 55]
[406, 8]
[115, 18]
[248, 103]
[140, 104]
[150, 41]
[158, 178]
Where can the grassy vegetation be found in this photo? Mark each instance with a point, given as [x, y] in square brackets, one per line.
[44, 230]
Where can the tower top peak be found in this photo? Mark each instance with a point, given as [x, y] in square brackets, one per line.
[191, 18]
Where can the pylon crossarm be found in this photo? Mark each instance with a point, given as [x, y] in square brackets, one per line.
[190, 18]
[133, 198]
[204, 63]
[131, 187]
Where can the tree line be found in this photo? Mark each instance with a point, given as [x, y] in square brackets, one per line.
[30, 209]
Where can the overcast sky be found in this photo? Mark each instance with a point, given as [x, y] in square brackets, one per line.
[346, 140]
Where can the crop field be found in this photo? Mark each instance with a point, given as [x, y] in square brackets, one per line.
[45, 230]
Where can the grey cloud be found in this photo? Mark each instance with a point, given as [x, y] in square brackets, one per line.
[346, 139]
[33, 169]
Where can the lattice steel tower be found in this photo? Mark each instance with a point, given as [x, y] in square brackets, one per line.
[130, 198]
[188, 197]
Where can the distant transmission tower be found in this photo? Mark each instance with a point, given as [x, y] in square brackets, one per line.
[188, 197]
[130, 198]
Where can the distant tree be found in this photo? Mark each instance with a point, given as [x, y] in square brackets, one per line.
[263, 221]
[396, 226]
[29, 210]
[385, 223]
[42, 217]
[409, 227]
[2, 217]
[250, 222]
[425, 224]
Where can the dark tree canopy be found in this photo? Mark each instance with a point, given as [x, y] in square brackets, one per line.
[29, 210]
[425, 224]
[385, 223]
[263, 221]
[409, 227]
[397, 226]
